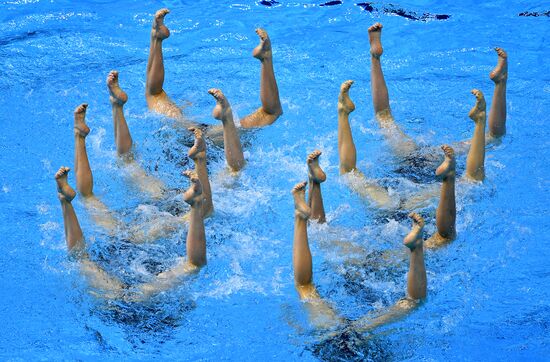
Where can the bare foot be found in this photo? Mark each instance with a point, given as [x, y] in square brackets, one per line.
[118, 96]
[160, 31]
[193, 195]
[198, 151]
[345, 103]
[80, 127]
[64, 191]
[375, 34]
[447, 168]
[414, 237]
[500, 72]
[477, 113]
[222, 110]
[301, 209]
[316, 174]
[263, 50]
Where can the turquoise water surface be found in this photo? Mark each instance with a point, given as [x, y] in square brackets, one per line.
[488, 292]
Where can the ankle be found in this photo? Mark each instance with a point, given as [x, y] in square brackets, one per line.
[450, 176]
[116, 105]
[268, 58]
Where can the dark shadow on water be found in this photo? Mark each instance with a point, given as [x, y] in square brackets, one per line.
[148, 322]
[332, 3]
[377, 266]
[534, 13]
[268, 3]
[392, 9]
[419, 167]
[349, 345]
[28, 35]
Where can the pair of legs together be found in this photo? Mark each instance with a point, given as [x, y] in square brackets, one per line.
[322, 315]
[403, 145]
[475, 170]
[151, 186]
[158, 100]
[123, 140]
[98, 278]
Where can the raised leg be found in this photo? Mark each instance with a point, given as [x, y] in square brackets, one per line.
[118, 98]
[232, 143]
[497, 113]
[316, 177]
[196, 239]
[416, 279]
[301, 255]
[198, 154]
[123, 140]
[321, 314]
[74, 237]
[348, 156]
[401, 144]
[446, 210]
[416, 283]
[155, 63]
[156, 97]
[269, 93]
[346, 147]
[475, 162]
[84, 179]
[65, 193]
[380, 97]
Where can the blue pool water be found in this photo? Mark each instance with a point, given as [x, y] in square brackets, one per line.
[488, 291]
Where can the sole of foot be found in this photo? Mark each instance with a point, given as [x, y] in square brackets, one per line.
[500, 72]
[193, 194]
[80, 126]
[263, 50]
[160, 31]
[222, 109]
[375, 35]
[316, 174]
[65, 191]
[302, 210]
[345, 104]
[477, 113]
[414, 237]
[447, 167]
[117, 95]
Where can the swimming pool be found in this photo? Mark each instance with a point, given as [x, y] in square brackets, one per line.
[488, 295]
